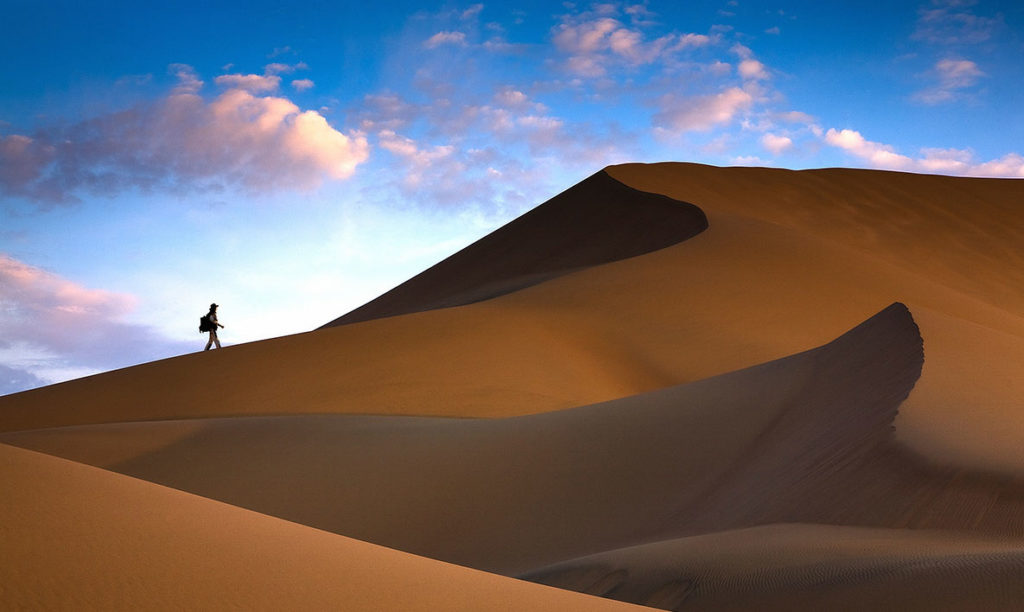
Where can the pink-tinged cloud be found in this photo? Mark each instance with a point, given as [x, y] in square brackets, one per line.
[302, 84]
[184, 143]
[939, 161]
[52, 326]
[254, 83]
[445, 38]
[701, 113]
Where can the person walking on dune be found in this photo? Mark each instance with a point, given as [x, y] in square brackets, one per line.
[212, 324]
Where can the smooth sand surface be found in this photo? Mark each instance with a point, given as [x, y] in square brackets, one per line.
[79, 538]
[670, 395]
[806, 567]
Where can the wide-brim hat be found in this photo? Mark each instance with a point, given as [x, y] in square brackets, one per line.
[213, 305]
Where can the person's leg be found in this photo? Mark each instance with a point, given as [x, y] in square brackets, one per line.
[216, 340]
[209, 342]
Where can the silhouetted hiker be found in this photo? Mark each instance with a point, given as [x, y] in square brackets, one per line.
[209, 321]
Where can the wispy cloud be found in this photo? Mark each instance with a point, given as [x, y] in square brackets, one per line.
[184, 142]
[953, 22]
[446, 38]
[254, 83]
[953, 77]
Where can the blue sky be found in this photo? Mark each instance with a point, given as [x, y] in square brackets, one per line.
[291, 161]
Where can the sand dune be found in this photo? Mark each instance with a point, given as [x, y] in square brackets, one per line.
[658, 409]
[610, 471]
[597, 221]
[79, 538]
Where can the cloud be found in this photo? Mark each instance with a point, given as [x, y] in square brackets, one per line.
[701, 113]
[950, 22]
[53, 329]
[877, 154]
[776, 144]
[280, 68]
[943, 161]
[184, 143]
[445, 38]
[593, 41]
[752, 69]
[302, 84]
[472, 11]
[953, 77]
[249, 82]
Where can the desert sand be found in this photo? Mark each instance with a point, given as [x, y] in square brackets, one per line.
[672, 385]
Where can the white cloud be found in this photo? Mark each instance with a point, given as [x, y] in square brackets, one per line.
[185, 143]
[302, 84]
[776, 144]
[752, 69]
[249, 82]
[445, 38]
[280, 68]
[953, 76]
[701, 113]
[877, 154]
[749, 68]
[944, 161]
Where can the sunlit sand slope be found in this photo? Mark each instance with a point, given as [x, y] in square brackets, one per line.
[596, 221]
[78, 538]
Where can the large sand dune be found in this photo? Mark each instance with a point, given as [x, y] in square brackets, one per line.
[813, 402]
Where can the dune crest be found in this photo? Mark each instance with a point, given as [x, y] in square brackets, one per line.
[597, 221]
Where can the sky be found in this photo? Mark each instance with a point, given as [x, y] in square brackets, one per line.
[291, 161]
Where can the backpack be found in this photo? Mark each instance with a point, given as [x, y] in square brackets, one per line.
[204, 324]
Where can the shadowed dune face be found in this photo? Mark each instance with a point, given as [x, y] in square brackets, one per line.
[595, 222]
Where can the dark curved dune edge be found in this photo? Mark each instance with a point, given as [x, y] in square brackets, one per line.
[804, 439]
[809, 567]
[597, 221]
